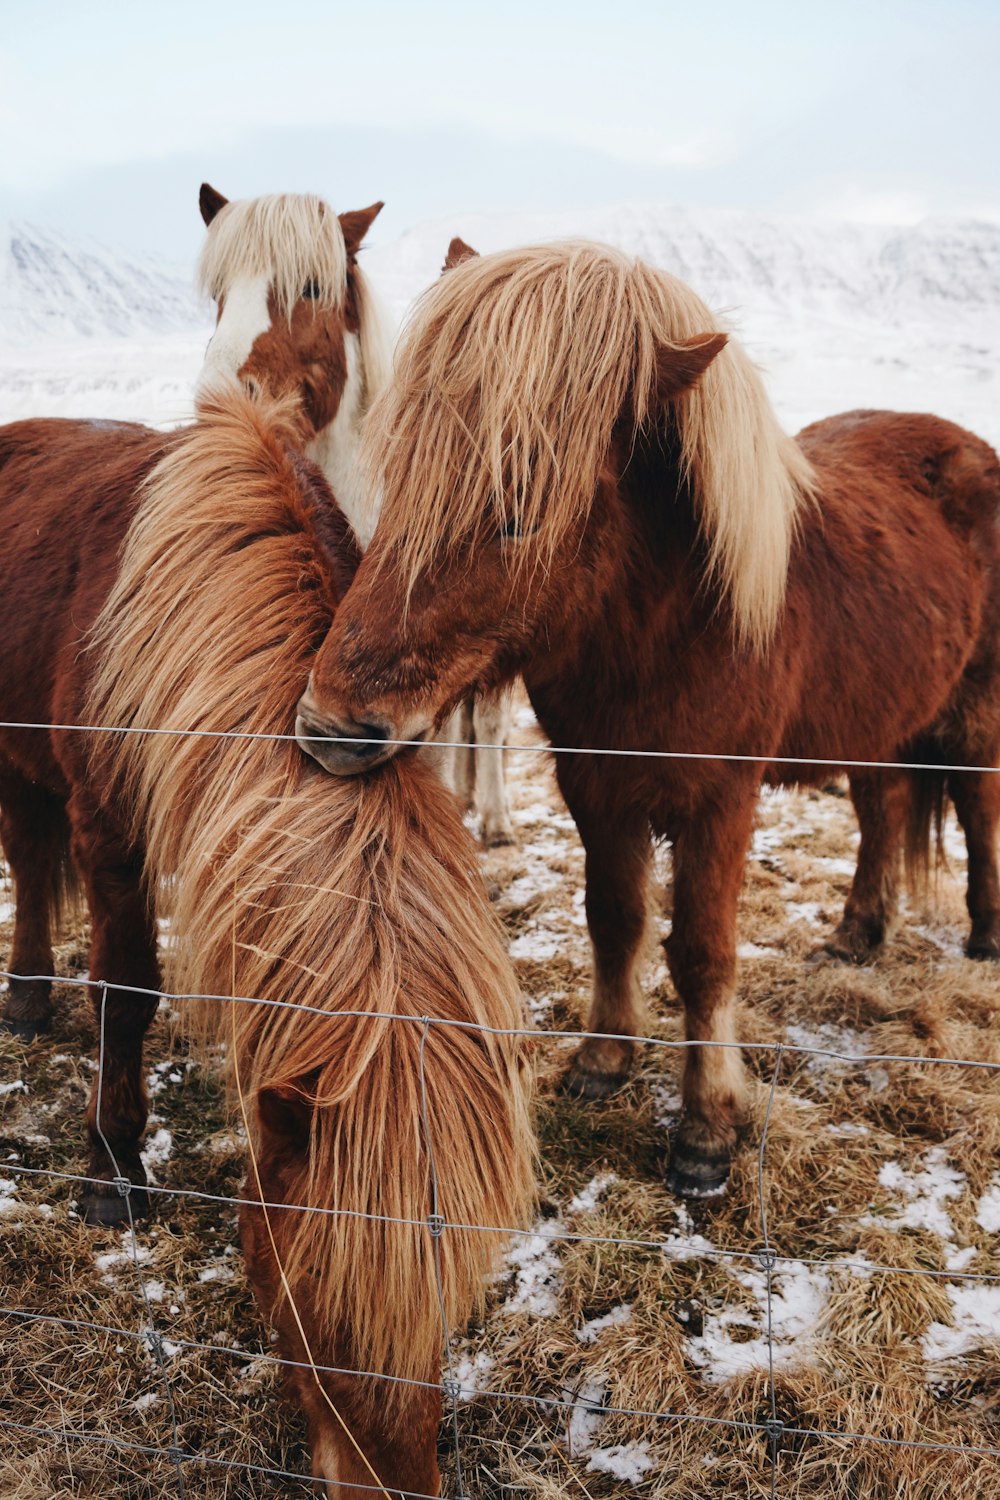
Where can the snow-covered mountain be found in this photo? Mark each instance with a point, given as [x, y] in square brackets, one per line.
[748, 263]
[54, 286]
[838, 315]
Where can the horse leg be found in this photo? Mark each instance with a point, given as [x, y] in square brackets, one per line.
[881, 802]
[123, 955]
[34, 833]
[491, 721]
[709, 861]
[617, 866]
[976, 796]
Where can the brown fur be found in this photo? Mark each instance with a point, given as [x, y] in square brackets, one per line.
[343, 897]
[636, 627]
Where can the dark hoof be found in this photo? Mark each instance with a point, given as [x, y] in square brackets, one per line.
[986, 948]
[25, 1031]
[103, 1207]
[696, 1174]
[845, 950]
[499, 838]
[584, 1083]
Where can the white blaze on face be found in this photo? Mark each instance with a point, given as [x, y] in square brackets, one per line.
[245, 317]
[335, 450]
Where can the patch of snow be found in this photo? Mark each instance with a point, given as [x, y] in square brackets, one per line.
[616, 1318]
[157, 1150]
[628, 1461]
[585, 1416]
[142, 1403]
[215, 1273]
[532, 944]
[988, 1208]
[473, 1374]
[826, 1037]
[754, 950]
[925, 1190]
[587, 1198]
[535, 1263]
[798, 1296]
[17, 1087]
[975, 1323]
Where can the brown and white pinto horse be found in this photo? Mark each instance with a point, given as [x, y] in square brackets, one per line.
[584, 482]
[360, 901]
[68, 490]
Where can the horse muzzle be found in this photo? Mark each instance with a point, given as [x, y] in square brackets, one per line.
[344, 748]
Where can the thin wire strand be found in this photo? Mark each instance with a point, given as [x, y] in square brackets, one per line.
[155, 1342]
[773, 758]
[675, 1045]
[436, 1229]
[767, 1259]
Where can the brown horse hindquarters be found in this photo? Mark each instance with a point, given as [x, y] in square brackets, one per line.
[67, 494]
[907, 632]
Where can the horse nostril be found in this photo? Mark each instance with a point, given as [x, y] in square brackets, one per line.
[364, 731]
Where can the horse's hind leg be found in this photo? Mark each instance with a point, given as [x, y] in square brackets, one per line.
[491, 715]
[881, 800]
[34, 833]
[976, 795]
[123, 954]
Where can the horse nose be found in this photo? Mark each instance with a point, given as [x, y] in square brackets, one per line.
[344, 747]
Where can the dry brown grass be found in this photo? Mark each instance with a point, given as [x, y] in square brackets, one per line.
[859, 1366]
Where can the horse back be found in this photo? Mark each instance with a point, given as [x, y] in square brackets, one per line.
[916, 455]
[68, 490]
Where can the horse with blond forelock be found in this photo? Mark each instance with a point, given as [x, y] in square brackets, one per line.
[584, 482]
[295, 313]
[358, 901]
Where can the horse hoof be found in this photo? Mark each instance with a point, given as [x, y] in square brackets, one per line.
[498, 838]
[25, 1031]
[108, 1209]
[584, 1083]
[983, 948]
[696, 1174]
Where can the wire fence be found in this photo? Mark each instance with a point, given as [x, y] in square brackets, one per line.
[774, 1431]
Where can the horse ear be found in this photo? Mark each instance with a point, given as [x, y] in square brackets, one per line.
[285, 1111]
[209, 201]
[458, 251]
[356, 224]
[678, 369]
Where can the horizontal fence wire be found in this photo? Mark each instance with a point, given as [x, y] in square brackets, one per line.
[773, 1430]
[773, 757]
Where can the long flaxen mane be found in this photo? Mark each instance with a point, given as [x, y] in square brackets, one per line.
[284, 883]
[507, 384]
[292, 239]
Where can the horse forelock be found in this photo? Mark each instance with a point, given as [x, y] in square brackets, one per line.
[292, 239]
[508, 383]
[287, 884]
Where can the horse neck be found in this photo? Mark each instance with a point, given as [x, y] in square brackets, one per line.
[336, 449]
[649, 569]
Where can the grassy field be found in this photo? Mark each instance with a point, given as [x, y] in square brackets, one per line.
[866, 1166]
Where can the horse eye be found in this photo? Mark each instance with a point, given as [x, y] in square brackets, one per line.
[311, 289]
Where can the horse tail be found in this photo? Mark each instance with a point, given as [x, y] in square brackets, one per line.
[923, 837]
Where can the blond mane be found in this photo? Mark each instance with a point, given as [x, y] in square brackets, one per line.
[508, 382]
[285, 883]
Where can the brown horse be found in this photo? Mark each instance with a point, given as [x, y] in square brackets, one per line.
[358, 900]
[584, 482]
[67, 493]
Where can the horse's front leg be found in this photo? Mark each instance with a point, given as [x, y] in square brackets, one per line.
[123, 955]
[709, 861]
[617, 867]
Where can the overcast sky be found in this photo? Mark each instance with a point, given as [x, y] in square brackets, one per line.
[112, 113]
